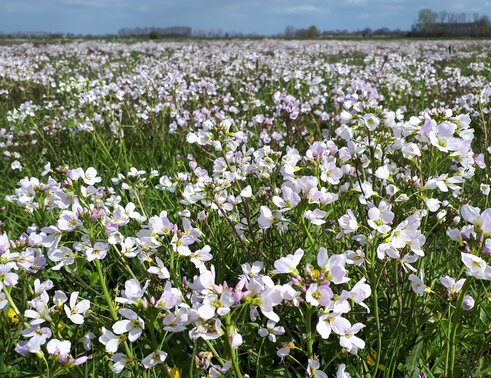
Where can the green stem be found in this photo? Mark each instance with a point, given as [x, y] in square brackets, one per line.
[192, 361]
[455, 324]
[11, 301]
[107, 296]
[231, 350]
[374, 284]
[104, 148]
[151, 328]
[109, 301]
[244, 201]
[140, 203]
[214, 351]
[308, 330]
[121, 259]
[48, 375]
[447, 343]
[309, 236]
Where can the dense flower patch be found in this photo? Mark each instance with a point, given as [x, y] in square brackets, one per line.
[245, 209]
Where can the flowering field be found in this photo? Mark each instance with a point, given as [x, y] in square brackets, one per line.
[243, 209]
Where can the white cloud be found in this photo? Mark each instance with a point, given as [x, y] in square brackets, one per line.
[299, 9]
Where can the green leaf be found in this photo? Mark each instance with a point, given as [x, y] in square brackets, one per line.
[411, 367]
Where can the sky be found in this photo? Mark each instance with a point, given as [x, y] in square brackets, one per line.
[265, 17]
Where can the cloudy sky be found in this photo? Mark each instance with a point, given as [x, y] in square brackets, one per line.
[247, 16]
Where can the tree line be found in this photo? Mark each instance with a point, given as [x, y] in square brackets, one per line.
[431, 24]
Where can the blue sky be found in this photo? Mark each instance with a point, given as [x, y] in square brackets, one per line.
[260, 16]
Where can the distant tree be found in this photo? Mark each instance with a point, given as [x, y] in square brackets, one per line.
[442, 17]
[482, 27]
[312, 32]
[154, 35]
[289, 31]
[426, 17]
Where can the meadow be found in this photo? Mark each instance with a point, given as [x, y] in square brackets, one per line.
[245, 209]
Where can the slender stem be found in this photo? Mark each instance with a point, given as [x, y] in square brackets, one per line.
[232, 227]
[109, 301]
[192, 359]
[455, 325]
[308, 330]
[140, 203]
[374, 284]
[48, 375]
[244, 201]
[104, 148]
[11, 301]
[151, 328]
[107, 296]
[121, 259]
[231, 350]
[447, 343]
[309, 236]
[398, 296]
[214, 352]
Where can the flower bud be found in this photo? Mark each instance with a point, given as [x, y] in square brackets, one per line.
[468, 303]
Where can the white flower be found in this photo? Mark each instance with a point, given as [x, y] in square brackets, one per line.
[476, 267]
[90, 176]
[285, 349]
[207, 330]
[87, 340]
[417, 284]
[212, 303]
[200, 256]
[341, 372]
[318, 295]
[246, 192]
[234, 337]
[132, 292]
[288, 264]
[170, 297]
[110, 340]
[6, 277]
[452, 286]
[68, 221]
[133, 324]
[351, 342]
[160, 270]
[154, 359]
[266, 219]
[98, 251]
[313, 369]
[271, 330]
[76, 310]
[333, 267]
[348, 223]
[315, 217]
[119, 362]
[37, 336]
[433, 204]
[383, 172]
[360, 292]
[380, 217]
[332, 322]
[58, 348]
[62, 255]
